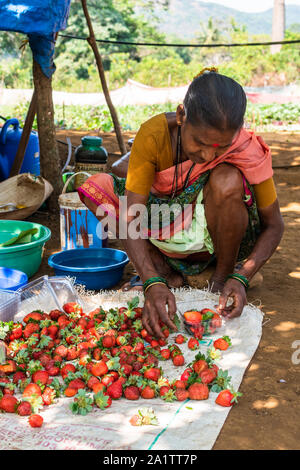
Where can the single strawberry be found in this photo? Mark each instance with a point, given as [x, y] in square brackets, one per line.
[35, 421]
[193, 344]
[152, 374]
[92, 381]
[207, 376]
[179, 384]
[148, 392]
[107, 380]
[40, 376]
[165, 353]
[66, 369]
[72, 307]
[55, 314]
[48, 396]
[8, 403]
[20, 375]
[24, 408]
[30, 329]
[227, 397]
[178, 360]
[115, 390]
[36, 316]
[132, 393]
[198, 391]
[181, 394]
[70, 392]
[185, 375]
[163, 390]
[102, 400]
[222, 343]
[77, 384]
[180, 339]
[99, 369]
[200, 365]
[193, 316]
[32, 389]
[97, 387]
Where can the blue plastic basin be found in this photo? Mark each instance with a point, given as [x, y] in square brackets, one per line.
[95, 268]
[12, 279]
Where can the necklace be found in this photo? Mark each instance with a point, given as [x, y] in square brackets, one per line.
[177, 162]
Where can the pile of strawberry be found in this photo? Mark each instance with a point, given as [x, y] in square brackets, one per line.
[96, 358]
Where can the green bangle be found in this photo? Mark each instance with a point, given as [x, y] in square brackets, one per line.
[154, 280]
[239, 277]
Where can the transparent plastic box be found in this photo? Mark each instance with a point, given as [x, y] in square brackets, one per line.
[45, 293]
[205, 327]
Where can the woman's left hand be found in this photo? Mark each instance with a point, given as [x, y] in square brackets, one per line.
[237, 292]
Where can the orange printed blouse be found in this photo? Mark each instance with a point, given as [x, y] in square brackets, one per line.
[152, 152]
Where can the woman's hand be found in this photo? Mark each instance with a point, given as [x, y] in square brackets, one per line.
[237, 292]
[157, 298]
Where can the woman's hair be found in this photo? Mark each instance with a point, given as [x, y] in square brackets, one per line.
[214, 100]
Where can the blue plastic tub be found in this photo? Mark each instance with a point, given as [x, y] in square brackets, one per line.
[95, 268]
[12, 279]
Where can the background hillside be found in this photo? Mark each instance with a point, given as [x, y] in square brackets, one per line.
[184, 16]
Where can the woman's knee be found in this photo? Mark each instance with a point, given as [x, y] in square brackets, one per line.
[225, 184]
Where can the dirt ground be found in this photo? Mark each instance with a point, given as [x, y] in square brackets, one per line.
[268, 415]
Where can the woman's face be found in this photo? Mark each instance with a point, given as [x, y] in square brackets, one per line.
[202, 144]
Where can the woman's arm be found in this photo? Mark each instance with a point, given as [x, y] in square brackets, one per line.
[120, 167]
[272, 229]
[158, 297]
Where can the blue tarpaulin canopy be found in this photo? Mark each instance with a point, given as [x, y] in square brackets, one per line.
[40, 20]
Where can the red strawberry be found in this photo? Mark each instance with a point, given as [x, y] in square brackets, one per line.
[207, 376]
[24, 408]
[163, 390]
[8, 403]
[180, 384]
[200, 365]
[178, 360]
[32, 389]
[35, 421]
[180, 339]
[193, 316]
[48, 396]
[72, 354]
[73, 307]
[227, 397]
[152, 374]
[55, 314]
[102, 400]
[33, 316]
[222, 343]
[127, 369]
[193, 344]
[107, 380]
[115, 390]
[30, 329]
[165, 353]
[66, 369]
[147, 392]
[198, 391]
[61, 350]
[92, 381]
[132, 393]
[108, 341]
[99, 369]
[181, 394]
[186, 374]
[76, 383]
[18, 376]
[41, 376]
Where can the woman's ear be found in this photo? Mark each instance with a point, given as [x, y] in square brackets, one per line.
[180, 115]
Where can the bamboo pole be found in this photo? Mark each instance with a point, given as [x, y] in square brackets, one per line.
[92, 42]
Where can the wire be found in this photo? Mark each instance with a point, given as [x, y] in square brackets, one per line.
[107, 41]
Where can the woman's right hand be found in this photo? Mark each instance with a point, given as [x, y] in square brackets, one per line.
[157, 298]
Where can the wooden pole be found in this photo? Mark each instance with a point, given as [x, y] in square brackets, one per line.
[49, 156]
[113, 112]
[18, 161]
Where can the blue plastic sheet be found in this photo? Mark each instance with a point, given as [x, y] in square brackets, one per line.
[41, 17]
[41, 20]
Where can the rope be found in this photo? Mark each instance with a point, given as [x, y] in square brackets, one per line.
[129, 43]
